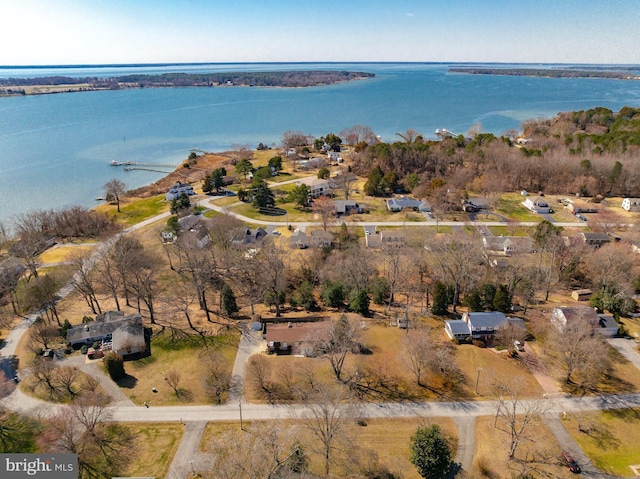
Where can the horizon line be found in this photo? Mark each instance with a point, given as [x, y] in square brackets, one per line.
[169, 64]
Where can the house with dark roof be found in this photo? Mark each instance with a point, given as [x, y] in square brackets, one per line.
[399, 204]
[508, 245]
[537, 205]
[295, 338]
[478, 325]
[247, 235]
[584, 316]
[594, 239]
[125, 333]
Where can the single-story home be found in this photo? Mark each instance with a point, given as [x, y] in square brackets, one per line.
[588, 317]
[126, 333]
[508, 245]
[537, 205]
[594, 239]
[577, 207]
[299, 240]
[248, 235]
[177, 189]
[346, 207]
[294, 338]
[631, 204]
[581, 294]
[321, 238]
[399, 204]
[478, 325]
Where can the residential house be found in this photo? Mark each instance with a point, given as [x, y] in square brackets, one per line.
[631, 204]
[317, 186]
[585, 316]
[399, 204]
[125, 333]
[346, 207]
[334, 156]
[478, 203]
[311, 163]
[193, 226]
[508, 245]
[295, 338]
[321, 238]
[298, 240]
[478, 325]
[581, 294]
[537, 205]
[177, 189]
[594, 239]
[577, 207]
[246, 235]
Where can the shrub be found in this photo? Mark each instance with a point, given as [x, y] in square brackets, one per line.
[84, 349]
[115, 365]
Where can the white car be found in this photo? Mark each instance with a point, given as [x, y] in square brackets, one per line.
[518, 345]
[275, 232]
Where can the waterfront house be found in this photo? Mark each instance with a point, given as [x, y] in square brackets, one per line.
[177, 189]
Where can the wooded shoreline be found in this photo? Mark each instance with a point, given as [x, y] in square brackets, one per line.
[288, 79]
[627, 73]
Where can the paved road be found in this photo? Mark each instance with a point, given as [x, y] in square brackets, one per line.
[627, 347]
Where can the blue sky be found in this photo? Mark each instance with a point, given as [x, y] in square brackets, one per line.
[36, 32]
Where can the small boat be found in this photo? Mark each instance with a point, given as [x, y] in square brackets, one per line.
[100, 198]
[114, 163]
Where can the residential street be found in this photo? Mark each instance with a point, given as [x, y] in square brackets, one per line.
[195, 418]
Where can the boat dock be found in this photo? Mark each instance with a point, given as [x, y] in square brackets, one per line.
[139, 165]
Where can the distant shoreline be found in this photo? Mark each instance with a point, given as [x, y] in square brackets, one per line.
[65, 84]
[621, 73]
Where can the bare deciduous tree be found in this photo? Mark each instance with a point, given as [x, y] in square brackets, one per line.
[84, 281]
[325, 208]
[340, 339]
[418, 347]
[114, 190]
[517, 415]
[173, 378]
[216, 379]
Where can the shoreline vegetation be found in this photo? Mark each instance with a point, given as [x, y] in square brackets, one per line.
[621, 73]
[287, 79]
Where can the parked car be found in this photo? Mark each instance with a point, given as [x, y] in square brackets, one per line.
[571, 463]
[95, 353]
[518, 345]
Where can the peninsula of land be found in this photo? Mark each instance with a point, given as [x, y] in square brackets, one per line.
[64, 84]
[622, 73]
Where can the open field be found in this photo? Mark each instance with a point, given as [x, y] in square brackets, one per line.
[185, 356]
[537, 454]
[609, 438]
[156, 446]
[375, 444]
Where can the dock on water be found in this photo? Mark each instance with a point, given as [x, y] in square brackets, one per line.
[140, 165]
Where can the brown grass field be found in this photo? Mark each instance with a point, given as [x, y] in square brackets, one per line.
[380, 443]
[156, 445]
[538, 453]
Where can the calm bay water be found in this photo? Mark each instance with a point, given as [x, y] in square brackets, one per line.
[55, 149]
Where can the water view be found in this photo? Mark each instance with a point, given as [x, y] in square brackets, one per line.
[55, 149]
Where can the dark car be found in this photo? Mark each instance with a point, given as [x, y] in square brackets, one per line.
[571, 463]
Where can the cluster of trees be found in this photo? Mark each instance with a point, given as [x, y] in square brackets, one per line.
[595, 149]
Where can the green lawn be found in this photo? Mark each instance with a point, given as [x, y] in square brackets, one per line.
[610, 438]
[137, 210]
[510, 205]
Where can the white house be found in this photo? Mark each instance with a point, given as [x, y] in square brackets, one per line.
[584, 316]
[334, 156]
[537, 205]
[631, 204]
[317, 186]
[177, 189]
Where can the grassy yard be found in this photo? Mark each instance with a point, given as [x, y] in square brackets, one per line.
[609, 438]
[510, 205]
[135, 210]
[538, 452]
[156, 447]
[183, 355]
[63, 252]
[375, 444]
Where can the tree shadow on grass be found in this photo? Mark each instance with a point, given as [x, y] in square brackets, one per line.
[273, 211]
[184, 395]
[128, 381]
